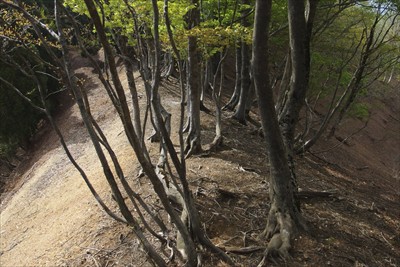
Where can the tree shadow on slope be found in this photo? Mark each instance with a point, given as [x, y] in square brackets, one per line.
[356, 226]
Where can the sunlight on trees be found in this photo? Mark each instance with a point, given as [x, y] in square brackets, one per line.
[302, 53]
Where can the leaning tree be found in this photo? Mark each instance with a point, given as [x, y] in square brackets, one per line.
[184, 235]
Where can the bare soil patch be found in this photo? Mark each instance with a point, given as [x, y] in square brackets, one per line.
[49, 218]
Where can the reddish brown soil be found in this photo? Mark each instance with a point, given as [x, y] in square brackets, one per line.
[49, 218]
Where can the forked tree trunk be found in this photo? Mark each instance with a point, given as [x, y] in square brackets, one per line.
[192, 213]
[283, 215]
[216, 95]
[300, 33]
[299, 79]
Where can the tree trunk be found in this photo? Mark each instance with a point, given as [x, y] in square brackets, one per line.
[127, 54]
[300, 32]
[216, 95]
[206, 79]
[298, 81]
[311, 10]
[356, 81]
[240, 113]
[233, 101]
[90, 126]
[245, 84]
[283, 215]
[284, 85]
[193, 139]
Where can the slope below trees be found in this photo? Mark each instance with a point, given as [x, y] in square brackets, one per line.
[49, 218]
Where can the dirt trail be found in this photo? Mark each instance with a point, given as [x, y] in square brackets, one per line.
[51, 219]
[52, 216]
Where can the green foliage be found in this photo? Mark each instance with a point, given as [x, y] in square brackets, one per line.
[217, 29]
[17, 118]
[21, 50]
[360, 111]
[280, 15]
[336, 51]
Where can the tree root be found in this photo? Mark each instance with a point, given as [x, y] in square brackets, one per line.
[240, 120]
[244, 250]
[204, 108]
[280, 227]
[279, 245]
[315, 194]
[215, 144]
[192, 146]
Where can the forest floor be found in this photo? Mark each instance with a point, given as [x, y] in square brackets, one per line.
[49, 217]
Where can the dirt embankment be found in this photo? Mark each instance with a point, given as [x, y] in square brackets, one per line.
[49, 218]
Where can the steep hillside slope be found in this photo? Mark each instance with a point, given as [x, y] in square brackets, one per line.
[49, 217]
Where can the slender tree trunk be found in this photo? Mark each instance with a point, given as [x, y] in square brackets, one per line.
[299, 77]
[311, 10]
[356, 81]
[283, 214]
[240, 113]
[216, 95]
[284, 86]
[245, 84]
[169, 64]
[300, 33]
[206, 77]
[134, 140]
[391, 75]
[69, 82]
[193, 139]
[128, 63]
[194, 219]
[298, 81]
[233, 101]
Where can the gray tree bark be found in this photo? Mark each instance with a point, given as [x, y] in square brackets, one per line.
[233, 101]
[245, 79]
[135, 141]
[298, 81]
[193, 139]
[283, 215]
[300, 37]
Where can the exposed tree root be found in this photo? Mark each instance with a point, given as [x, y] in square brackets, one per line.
[204, 108]
[192, 223]
[193, 146]
[241, 120]
[281, 228]
[231, 105]
[315, 194]
[215, 144]
[244, 250]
